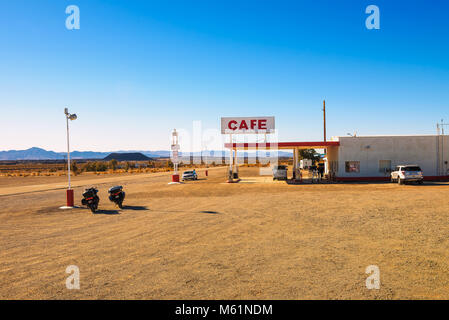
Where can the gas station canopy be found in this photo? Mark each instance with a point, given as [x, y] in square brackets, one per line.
[282, 145]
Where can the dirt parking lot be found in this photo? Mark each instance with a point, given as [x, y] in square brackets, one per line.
[211, 240]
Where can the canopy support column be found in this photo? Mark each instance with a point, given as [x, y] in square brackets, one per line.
[231, 164]
[236, 166]
[295, 164]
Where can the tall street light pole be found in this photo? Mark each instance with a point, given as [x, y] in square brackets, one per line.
[68, 145]
[70, 197]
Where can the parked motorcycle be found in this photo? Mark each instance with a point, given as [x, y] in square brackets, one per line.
[91, 199]
[117, 195]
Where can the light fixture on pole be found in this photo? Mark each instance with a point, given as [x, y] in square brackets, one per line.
[70, 197]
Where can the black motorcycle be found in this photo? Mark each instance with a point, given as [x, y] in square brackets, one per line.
[117, 195]
[91, 199]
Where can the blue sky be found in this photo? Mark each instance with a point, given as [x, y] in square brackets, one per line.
[137, 69]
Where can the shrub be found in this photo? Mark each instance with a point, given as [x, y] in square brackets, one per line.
[88, 166]
[100, 166]
[113, 164]
[169, 164]
[74, 168]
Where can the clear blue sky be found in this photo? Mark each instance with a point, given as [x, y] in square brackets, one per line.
[137, 69]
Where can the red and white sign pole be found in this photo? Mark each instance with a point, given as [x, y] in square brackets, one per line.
[175, 156]
[207, 164]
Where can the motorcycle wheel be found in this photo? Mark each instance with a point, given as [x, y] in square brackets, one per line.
[92, 208]
[120, 205]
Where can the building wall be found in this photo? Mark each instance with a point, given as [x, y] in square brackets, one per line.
[425, 151]
[332, 160]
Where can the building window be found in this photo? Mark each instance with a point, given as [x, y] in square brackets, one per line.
[352, 166]
[385, 166]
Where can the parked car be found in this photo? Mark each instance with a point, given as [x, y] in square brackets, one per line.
[280, 172]
[189, 175]
[407, 173]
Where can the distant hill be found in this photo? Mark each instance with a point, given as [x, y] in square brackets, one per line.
[136, 156]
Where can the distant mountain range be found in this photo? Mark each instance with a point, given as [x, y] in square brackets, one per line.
[42, 154]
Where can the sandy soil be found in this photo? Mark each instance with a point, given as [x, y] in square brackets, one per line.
[211, 240]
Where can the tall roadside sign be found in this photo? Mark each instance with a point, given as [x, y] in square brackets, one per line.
[243, 125]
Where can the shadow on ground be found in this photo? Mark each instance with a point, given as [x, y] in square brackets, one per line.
[187, 211]
[109, 212]
[210, 212]
[135, 208]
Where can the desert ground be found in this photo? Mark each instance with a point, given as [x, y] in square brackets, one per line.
[208, 239]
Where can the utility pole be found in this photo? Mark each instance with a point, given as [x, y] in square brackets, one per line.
[324, 118]
[324, 124]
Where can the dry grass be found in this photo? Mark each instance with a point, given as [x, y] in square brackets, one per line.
[57, 169]
[211, 240]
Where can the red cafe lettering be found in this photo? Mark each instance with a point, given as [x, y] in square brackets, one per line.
[259, 124]
[244, 125]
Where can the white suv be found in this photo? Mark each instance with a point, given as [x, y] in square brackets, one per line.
[189, 175]
[407, 173]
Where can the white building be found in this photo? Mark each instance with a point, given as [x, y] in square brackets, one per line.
[373, 157]
[370, 157]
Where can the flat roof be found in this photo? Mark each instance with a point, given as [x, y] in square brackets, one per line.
[393, 136]
[283, 145]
